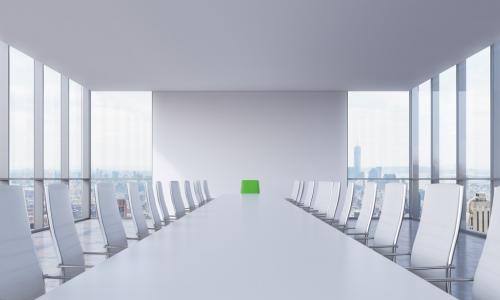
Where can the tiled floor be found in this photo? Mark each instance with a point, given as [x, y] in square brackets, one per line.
[466, 257]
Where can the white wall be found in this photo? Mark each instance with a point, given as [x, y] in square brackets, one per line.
[275, 137]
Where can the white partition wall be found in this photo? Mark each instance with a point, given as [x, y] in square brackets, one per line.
[275, 137]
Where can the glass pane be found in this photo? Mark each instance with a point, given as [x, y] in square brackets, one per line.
[378, 134]
[75, 129]
[448, 123]
[478, 115]
[75, 196]
[52, 122]
[121, 134]
[29, 197]
[21, 114]
[424, 130]
[478, 210]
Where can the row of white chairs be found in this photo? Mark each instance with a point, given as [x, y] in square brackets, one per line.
[21, 276]
[431, 255]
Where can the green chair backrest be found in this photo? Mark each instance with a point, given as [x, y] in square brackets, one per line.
[250, 186]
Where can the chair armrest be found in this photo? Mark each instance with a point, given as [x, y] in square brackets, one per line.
[75, 266]
[356, 233]
[45, 276]
[114, 247]
[383, 246]
[133, 239]
[449, 279]
[429, 268]
[95, 253]
[397, 254]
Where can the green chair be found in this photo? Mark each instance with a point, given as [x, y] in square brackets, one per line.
[250, 186]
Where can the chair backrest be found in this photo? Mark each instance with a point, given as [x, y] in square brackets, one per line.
[438, 229]
[198, 193]
[189, 195]
[206, 190]
[333, 204]
[391, 216]
[486, 280]
[250, 186]
[63, 229]
[300, 192]
[153, 206]
[176, 195]
[137, 210]
[163, 204]
[367, 207]
[295, 190]
[346, 206]
[323, 196]
[109, 217]
[20, 274]
[308, 193]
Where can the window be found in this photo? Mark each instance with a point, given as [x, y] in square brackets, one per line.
[52, 123]
[448, 123]
[378, 141]
[21, 114]
[424, 130]
[75, 129]
[121, 134]
[121, 141]
[478, 115]
[478, 141]
[378, 137]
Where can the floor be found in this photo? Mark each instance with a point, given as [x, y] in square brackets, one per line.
[466, 257]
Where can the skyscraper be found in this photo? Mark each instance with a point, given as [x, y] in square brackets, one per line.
[357, 161]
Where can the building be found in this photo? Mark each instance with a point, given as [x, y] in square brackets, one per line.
[479, 211]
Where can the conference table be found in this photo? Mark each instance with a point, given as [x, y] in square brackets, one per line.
[247, 247]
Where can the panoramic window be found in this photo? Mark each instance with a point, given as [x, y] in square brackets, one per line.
[478, 141]
[378, 141]
[21, 125]
[52, 123]
[121, 140]
[21, 114]
[424, 130]
[448, 123]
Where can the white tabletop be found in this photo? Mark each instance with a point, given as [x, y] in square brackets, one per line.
[247, 247]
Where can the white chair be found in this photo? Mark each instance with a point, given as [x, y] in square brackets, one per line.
[137, 210]
[341, 221]
[391, 217]
[189, 195]
[366, 213]
[206, 191]
[325, 196]
[486, 279]
[110, 220]
[434, 245]
[21, 277]
[63, 230]
[153, 206]
[198, 193]
[176, 196]
[295, 191]
[307, 194]
[163, 204]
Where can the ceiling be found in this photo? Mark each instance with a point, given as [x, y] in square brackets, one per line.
[201, 45]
